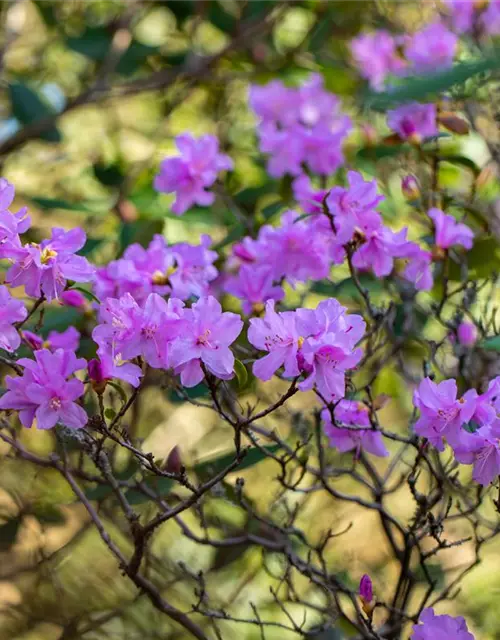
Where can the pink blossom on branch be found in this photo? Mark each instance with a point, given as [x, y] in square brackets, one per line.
[433, 627]
[414, 122]
[449, 232]
[359, 436]
[376, 57]
[431, 48]
[44, 392]
[193, 172]
[11, 311]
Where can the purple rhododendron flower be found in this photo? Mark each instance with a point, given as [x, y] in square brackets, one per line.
[376, 57]
[191, 173]
[489, 20]
[11, 311]
[44, 393]
[413, 122]
[450, 232]
[460, 14]
[310, 201]
[205, 335]
[254, 285]
[277, 334]
[434, 47]
[418, 270]
[108, 367]
[441, 413]
[350, 206]
[300, 126]
[482, 449]
[329, 337]
[380, 246]
[359, 436]
[46, 267]
[181, 270]
[68, 339]
[433, 627]
[11, 224]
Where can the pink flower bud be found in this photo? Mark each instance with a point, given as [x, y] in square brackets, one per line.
[467, 334]
[410, 188]
[366, 588]
[96, 375]
[32, 340]
[173, 463]
[73, 298]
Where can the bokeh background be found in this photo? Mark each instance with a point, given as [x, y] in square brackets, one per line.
[92, 96]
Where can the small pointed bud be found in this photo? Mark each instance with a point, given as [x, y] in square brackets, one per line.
[173, 463]
[369, 135]
[467, 334]
[96, 375]
[366, 595]
[380, 401]
[393, 140]
[411, 188]
[453, 123]
[73, 298]
[32, 340]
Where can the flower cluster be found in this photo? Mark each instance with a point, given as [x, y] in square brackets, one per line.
[299, 127]
[319, 344]
[166, 335]
[181, 270]
[193, 172]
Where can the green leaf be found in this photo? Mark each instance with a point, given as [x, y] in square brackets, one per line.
[241, 373]
[8, 533]
[134, 57]
[380, 151]
[220, 18]
[198, 391]
[491, 344]
[28, 108]
[181, 9]
[88, 294]
[236, 233]
[57, 203]
[57, 318]
[347, 286]
[255, 455]
[109, 175]
[93, 43]
[482, 260]
[436, 573]
[462, 161]
[90, 245]
[421, 87]
[48, 514]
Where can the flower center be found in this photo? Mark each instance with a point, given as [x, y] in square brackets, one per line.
[47, 255]
[55, 404]
[203, 339]
[300, 341]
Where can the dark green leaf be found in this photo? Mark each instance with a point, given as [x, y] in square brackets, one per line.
[435, 572]
[140, 231]
[134, 57]
[269, 211]
[379, 151]
[236, 233]
[94, 43]
[347, 286]
[491, 344]
[28, 108]
[88, 294]
[421, 87]
[220, 18]
[57, 319]
[108, 175]
[57, 203]
[48, 514]
[198, 391]
[90, 245]
[8, 533]
[181, 9]
[211, 468]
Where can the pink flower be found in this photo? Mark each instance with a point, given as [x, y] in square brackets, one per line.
[277, 334]
[11, 224]
[460, 14]
[376, 57]
[380, 247]
[433, 47]
[413, 122]
[310, 201]
[450, 232]
[46, 267]
[418, 270]
[328, 350]
[489, 20]
[205, 336]
[433, 627]
[359, 436]
[254, 285]
[482, 449]
[467, 334]
[441, 413]
[352, 205]
[44, 393]
[11, 311]
[193, 269]
[108, 368]
[274, 102]
[191, 173]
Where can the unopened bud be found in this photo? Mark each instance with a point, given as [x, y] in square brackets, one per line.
[369, 135]
[173, 463]
[32, 340]
[410, 188]
[96, 375]
[366, 594]
[73, 298]
[453, 123]
[467, 334]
